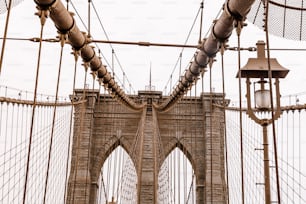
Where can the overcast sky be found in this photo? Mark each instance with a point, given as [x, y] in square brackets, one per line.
[159, 21]
[152, 21]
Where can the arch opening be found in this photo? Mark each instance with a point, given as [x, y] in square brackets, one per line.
[176, 179]
[118, 179]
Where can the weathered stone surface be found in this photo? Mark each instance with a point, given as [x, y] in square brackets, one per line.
[148, 136]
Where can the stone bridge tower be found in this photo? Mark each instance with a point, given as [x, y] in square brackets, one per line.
[148, 136]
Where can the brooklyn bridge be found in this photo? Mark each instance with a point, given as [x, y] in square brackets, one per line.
[152, 102]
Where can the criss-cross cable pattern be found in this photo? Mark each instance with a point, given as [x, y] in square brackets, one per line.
[15, 119]
[291, 162]
[287, 18]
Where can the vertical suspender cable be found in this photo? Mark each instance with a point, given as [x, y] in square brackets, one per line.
[271, 98]
[284, 19]
[287, 156]
[67, 5]
[89, 1]
[103, 185]
[170, 87]
[180, 67]
[184, 159]
[113, 62]
[177, 136]
[195, 114]
[20, 138]
[119, 177]
[238, 30]
[199, 41]
[113, 152]
[5, 33]
[210, 129]
[201, 21]
[43, 14]
[299, 156]
[192, 133]
[281, 130]
[10, 148]
[5, 142]
[62, 38]
[109, 162]
[105, 188]
[90, 136]
[174, 173]
[70, 126]
[293, 156]
[179, 174]
[224, 115]
[80, 130]
[98, 199]
[17, 138]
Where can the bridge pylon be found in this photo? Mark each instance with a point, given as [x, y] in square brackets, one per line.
[195, 126]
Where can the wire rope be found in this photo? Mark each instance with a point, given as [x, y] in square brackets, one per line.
[89, 17]
[293, 155]
[266, 8]
[238, 31]
[201, 21]
[224, 115]
[185, 153]
[79, 132]
[210, 130]
[5, 33]
[196, 110]
[71, 122]
[90, 139]
[299, 153]
[186, 40]
[100, 22]
[42, 21]
[54, 117]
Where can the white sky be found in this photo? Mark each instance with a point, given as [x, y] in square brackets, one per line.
[131, 20]
[166, 21]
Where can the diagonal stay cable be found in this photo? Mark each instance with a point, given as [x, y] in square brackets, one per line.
[186, 40]
[207, 33]
[107, 37]
[99, 19]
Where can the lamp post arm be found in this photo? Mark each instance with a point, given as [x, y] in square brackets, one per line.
[275, 114]
[250, 111]
[278, 111]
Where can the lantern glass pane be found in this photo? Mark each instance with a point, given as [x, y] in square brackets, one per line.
[262, 99]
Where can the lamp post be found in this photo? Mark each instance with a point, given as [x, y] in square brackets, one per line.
[257, 71]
